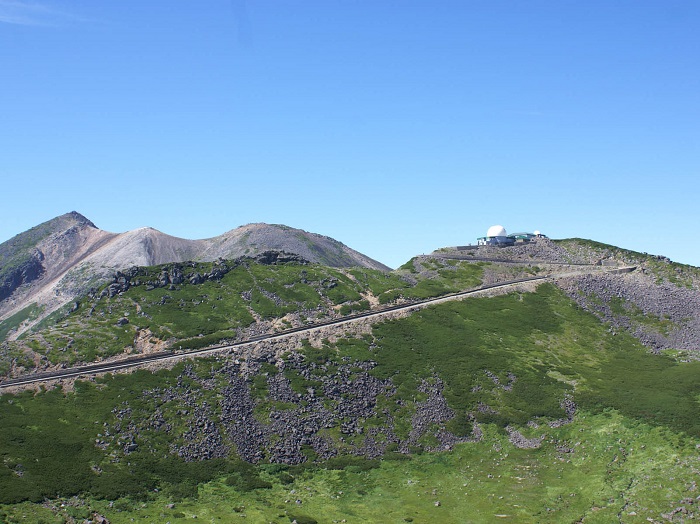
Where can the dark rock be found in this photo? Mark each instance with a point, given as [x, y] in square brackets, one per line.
[176, 276]
[25, 273]
[278, 257]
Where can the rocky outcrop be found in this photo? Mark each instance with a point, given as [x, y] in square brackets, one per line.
[270, 258]
[25, 272]
[177, 273]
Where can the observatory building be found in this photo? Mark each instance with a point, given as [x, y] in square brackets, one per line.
[497, 236]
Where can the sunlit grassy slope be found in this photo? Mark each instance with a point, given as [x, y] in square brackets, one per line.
[620, 470]
[212, 309]
[629, 454]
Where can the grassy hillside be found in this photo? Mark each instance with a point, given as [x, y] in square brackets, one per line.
[208, 302]
[521, 407]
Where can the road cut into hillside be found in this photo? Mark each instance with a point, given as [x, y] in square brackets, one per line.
[355, 324]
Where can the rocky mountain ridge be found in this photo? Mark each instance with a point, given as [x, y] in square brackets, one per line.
[593, 368]
[51, 264]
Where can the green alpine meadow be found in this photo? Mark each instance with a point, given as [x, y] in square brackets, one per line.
[349, 262]
[547, 381]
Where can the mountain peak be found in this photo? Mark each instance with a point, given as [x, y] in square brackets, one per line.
[30, 238]
[54, 262]
[26, 257]
[76, 217]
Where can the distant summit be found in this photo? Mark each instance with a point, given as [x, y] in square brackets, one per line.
[253, 239]
[50, 264]
[22, 259]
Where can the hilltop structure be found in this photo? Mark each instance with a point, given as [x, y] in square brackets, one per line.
[497, 236]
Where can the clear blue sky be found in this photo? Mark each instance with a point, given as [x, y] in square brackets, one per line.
[395, 126]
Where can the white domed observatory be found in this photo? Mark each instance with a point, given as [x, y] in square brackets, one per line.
[496, 231]
[496, 236]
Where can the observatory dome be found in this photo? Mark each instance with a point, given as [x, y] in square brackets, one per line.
[496, 231]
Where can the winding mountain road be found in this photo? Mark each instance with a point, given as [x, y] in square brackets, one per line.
[137, 361]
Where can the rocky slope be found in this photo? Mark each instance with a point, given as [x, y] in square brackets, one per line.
[526, 384]
[22, 258]
[513, 391]
[658, 302]
[50, 265]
